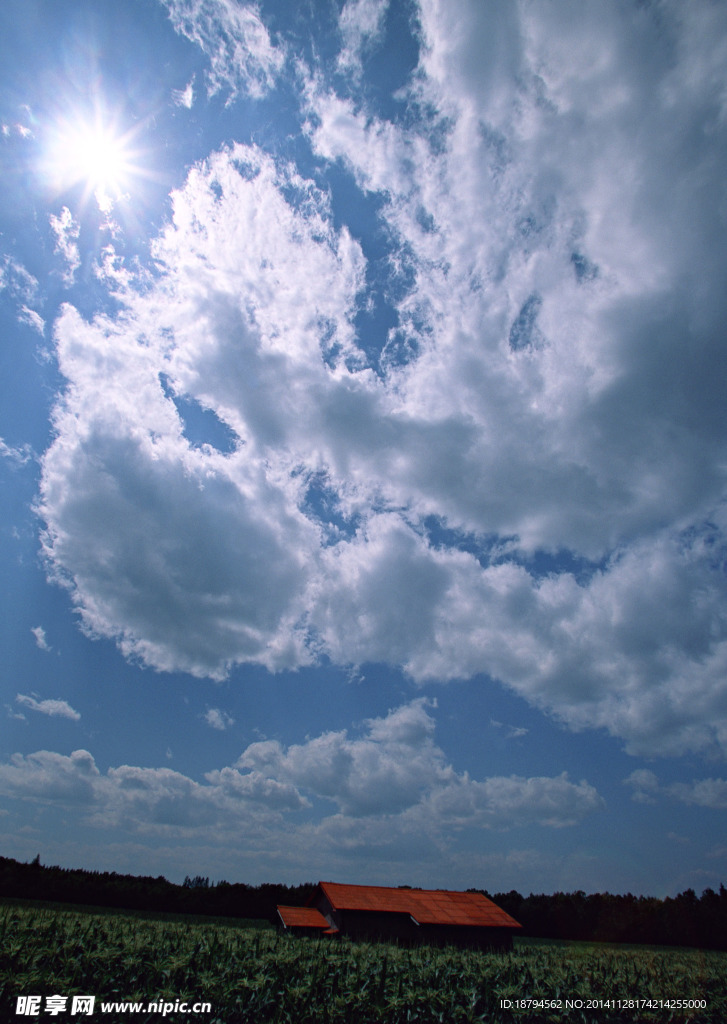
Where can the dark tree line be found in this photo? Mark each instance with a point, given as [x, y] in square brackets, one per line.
[133, 892]
[683, 920]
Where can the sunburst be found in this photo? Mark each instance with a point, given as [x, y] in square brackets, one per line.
[93, 151]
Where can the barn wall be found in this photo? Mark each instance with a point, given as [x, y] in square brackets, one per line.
[373, 925]
[467, 936]
[320, 902]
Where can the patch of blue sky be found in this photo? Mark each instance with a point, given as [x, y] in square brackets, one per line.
[499, 149]
[271, 121]
[708, 537]
[17, 197]
[201, 426]
[358, 211]
[361, 213]
[524, 331]
[389, 61]
[402, 347]
[28, 383]
[583, 268]
[88, 293]
[24, 583]
[439, 535]
[323, 505]
[536, 219]
[493, 549]
[374, 323]
[541, 564]
[310, 30]
[51, 673]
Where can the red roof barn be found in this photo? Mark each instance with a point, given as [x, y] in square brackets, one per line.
[434, 916]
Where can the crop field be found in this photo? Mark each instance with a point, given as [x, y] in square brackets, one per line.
[256, 975]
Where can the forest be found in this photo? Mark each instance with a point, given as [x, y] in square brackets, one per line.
[683, 920]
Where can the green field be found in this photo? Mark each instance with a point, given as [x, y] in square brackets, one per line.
[255, 975]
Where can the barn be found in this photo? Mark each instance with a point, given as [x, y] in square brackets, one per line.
[375, 912]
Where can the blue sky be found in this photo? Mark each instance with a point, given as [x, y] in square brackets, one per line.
[363, 441]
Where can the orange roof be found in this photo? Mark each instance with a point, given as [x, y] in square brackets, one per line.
[302, 917]
[426, 906]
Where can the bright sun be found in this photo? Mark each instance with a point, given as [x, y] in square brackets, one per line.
[100, 158]
[95, 153]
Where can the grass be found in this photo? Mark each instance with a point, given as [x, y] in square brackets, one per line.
[256, 975]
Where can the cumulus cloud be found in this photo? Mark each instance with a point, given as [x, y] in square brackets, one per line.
[384, 772]
[389, 785]
[525, 477]
[397, 768]
[243, 351]
[49, 777]
[144, 799]
[513, 800]
[54, 708]
[242, 56]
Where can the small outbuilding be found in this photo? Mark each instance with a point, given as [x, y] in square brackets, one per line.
[305, 921]
[410, 916]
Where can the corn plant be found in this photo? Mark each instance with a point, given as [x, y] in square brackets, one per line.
[253, 975]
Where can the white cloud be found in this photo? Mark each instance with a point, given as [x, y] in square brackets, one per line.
[512, 732]
[396, 768]
[50, 777]
[378, 154]
[645, 785]
[18, 456]
[360, 23]
[535, 489]
[18, 281]
[702, 792]
[385, 772]
[40, 638]
[153, 800]
[505, 802]
[17, 129]
[242, 56]
[66, 231]
[391, 787]
[218, 719]
[184, 97]
[54, 708]
[189, 602]
[32, 319]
